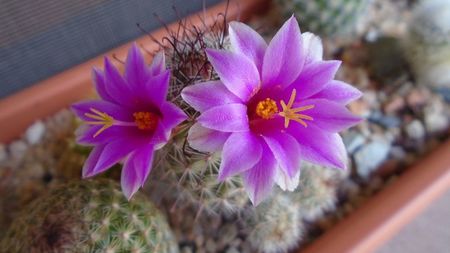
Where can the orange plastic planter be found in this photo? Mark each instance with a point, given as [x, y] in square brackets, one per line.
[363, 231]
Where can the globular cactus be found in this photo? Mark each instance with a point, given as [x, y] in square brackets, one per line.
[316, 192]
[275, 225]
[326, 17]
[89, 216]
[189, 178]
[428, 43]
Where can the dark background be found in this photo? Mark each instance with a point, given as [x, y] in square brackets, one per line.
[39, 38]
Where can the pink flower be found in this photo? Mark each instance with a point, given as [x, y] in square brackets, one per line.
[274, 106]
[130, 121]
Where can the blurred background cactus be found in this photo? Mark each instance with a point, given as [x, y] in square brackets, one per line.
[89, 216]
[316, 192]
[275, 225]
[428, 43]
[326, 17]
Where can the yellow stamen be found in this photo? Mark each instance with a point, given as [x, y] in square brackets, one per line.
[146, 120]
[266, 108]
[100, 118]
[290, 113]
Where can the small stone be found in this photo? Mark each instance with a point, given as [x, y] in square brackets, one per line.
[353, 140]
[210, 246]
[395, 104]
[35, 132]
[415, 130]
[417, 97]
[232, 250]
[17, 149]
[392, 134]
[435, 116]
[370, 156]
[444, 92]
[387, 121]
[348, 189]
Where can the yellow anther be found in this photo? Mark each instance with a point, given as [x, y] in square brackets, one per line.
[146, 120]
[290, 113]
[99, 118]
[266, 108]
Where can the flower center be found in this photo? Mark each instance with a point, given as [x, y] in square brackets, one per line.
[146, 120]
[294, 114]
[143, 120]
[266, 108]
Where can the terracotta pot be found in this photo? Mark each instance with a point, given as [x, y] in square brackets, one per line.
[363, 231]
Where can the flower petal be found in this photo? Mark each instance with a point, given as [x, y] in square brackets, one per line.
[258, 181]
[313, 47]
[286, 151]
[85, 134]
[244, 40]
[237, 72]
[284, 57]
[92, 160]
[100, 86]
[142, 159]
[226, 118]
[172, 115]
[116, 86]
[135, 68]
[204, 96]
[206, 140]
[129, 179]
[285, 182]
[339, 92]
[240, 153]
[318, 146]
[158, 64]
[157, 87]
[111, 154]
[328, 115]
[314, 78]
[113, 110]
[160, 136]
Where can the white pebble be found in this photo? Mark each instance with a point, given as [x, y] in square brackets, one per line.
[415, 130]
[17, 149]
[35, 132]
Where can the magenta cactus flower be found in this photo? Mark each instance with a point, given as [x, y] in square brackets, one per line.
[274, 106]
[130, 121]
